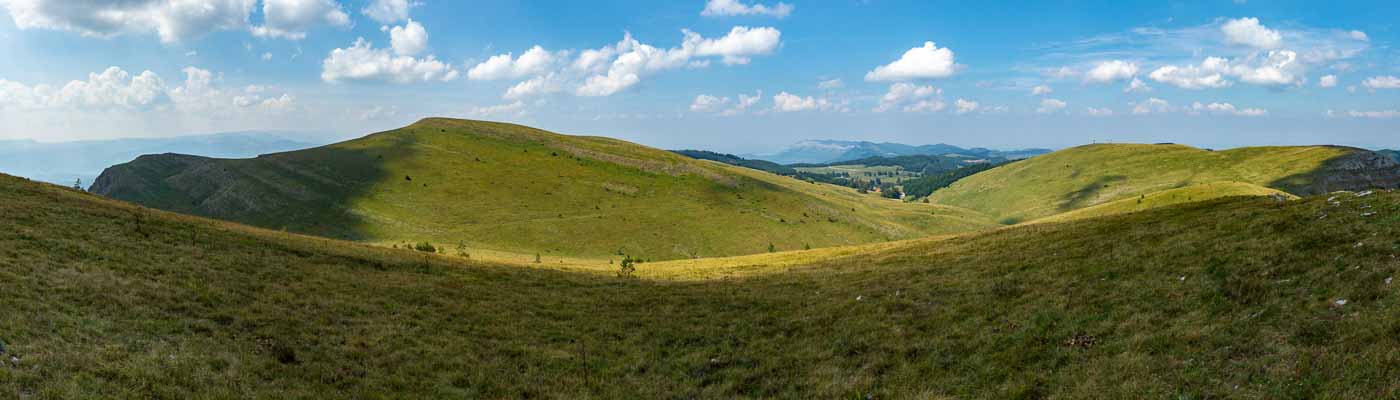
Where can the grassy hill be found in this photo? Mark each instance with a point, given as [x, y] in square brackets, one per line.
[1237, 298]
[1086, 176]
[1202, 192]
[508, 188]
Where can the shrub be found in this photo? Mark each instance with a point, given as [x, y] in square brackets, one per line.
[425, 247]
[628, 268]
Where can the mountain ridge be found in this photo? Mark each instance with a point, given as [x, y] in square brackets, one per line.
[822, 151]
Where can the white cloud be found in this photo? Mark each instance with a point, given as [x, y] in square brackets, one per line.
[1210, 74]
[516, 108]
[1279, 67]
[724, 8]
[831, 84]
[1048, 106]
[786, 102]
[361, 61]
[927, 62]
[290, 19]
[1381, 82]
[282, 104]
[1137, 86]
[540, 85]
[1152, 105]
[1358, 35]
[1058, 73]
[965, 106]
[1248, 32]
[913, 97]
[1327, 81]
[534, 61]
[629, 60]
[170, 20]
[1226, 109]
[744, 103]
[707, 103]
[267, 56]
[389, 11]
[1376, 114]
[409, 39]
[1111, 71]
[1041, 90]
[737, 46]
[116, 90]
[1098, 112]
[191, 53]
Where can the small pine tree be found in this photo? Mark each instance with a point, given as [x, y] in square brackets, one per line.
[462, 249]
[772, 248]
[806, 246]
[78, 185]
[537, 258]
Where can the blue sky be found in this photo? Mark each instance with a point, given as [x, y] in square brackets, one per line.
[740, 76]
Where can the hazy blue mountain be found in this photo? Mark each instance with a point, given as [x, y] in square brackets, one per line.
[829, 151]
[65, 162]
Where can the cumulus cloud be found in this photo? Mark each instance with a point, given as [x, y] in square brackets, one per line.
[362, 61]
[1209, 74]
[831, 84]
[409, 39]
[389, 11]
[1137, 86]
[1273, 68]
[1048, 106]
[1358, 35]
[1111, 71]
[1381, 82]
[913, 98]
[534, 61]
[114, 89]
[786, 102]
[540, 85]
[1151, 106]
[1327, 81]
[1041, 90]
[737, 46]
[290, 19]
[170, 20]
[707, 103]
[1226, 109]
[726, 8]
[965, 106]
[1248, 32]
[622, 65]
[927, 62]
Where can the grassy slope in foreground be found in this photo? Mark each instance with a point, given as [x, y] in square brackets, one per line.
[1085, 176]
[1233, 298]
[511, 188]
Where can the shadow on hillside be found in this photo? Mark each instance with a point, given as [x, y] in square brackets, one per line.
[1357, 171]
[1078, 199]
[310, 191]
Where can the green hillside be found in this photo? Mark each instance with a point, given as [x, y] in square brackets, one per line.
[1202, 192]
[1085, 176]
[1233, 298]
[509, 188]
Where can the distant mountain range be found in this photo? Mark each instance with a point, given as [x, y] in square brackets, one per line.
[829, 151]
[66, 162]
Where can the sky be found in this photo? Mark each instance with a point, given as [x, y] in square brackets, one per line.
[741, 76]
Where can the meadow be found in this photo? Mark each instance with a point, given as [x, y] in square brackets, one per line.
[1239, 297]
